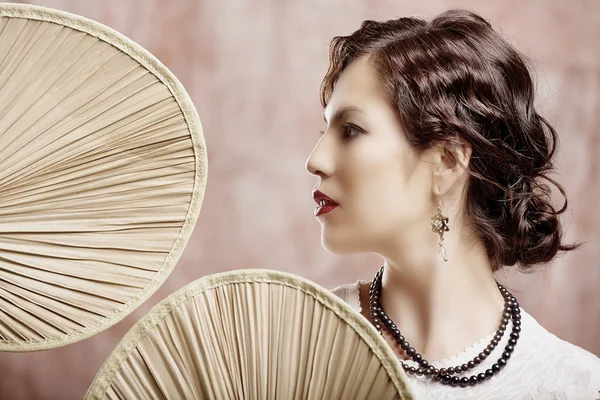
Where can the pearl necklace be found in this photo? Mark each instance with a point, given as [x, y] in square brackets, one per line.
[445, 375]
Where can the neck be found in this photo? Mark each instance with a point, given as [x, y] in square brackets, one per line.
[441, 307]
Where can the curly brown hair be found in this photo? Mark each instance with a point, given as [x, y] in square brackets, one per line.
[455, 80]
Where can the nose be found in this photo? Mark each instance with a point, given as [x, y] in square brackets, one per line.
[320, 161]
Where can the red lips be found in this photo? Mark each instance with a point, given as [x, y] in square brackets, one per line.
[325, 203]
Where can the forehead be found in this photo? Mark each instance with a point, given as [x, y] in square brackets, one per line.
[357, 86]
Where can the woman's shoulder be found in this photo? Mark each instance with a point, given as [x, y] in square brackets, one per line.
[567, 369]
[580, 361]
[560, 348]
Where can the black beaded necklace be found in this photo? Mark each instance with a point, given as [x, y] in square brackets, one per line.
[445, 375]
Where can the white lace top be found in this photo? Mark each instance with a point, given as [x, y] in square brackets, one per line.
[542, 366]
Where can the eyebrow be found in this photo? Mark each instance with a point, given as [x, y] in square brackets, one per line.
[341, 111]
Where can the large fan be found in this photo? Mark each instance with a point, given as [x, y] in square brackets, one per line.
[251, 334]
[102, 174]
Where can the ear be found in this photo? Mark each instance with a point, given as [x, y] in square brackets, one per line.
[452, 160]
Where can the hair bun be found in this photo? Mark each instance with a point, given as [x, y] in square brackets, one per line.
[533, 227]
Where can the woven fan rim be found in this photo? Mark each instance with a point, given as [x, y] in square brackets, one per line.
[357, 322]
[161, 72]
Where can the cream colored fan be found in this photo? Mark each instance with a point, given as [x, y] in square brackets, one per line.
[251, 334]
[102, 174]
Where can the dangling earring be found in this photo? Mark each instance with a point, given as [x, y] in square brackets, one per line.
[439, 225]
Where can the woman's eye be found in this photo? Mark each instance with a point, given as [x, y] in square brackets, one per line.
[351, 131]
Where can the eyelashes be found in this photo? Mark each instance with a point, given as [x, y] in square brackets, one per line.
[349, 131]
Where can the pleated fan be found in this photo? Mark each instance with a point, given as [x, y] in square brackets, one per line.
[102, 174]
[251, 334]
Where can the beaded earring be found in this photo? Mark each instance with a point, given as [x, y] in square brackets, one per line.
[439, 225]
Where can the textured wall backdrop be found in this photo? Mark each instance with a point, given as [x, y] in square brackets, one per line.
[253, 69]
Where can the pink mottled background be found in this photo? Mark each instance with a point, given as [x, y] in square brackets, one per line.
[253, 69]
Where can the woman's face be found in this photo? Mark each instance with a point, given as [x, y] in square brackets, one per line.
[365, 165]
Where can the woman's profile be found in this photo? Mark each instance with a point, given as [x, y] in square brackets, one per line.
[434, 157]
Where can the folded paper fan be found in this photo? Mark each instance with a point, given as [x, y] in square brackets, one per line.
[251, 334]
[102, 174]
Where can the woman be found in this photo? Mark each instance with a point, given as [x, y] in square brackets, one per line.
[430, 126]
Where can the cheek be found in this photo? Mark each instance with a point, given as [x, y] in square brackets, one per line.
[390, 194]
[389, 205]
